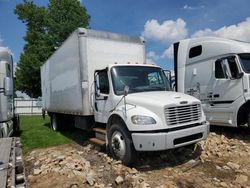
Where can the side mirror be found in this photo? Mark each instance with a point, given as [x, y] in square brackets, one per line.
[8, 86]
[126, 90]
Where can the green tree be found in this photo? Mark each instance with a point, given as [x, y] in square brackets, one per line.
[35, 50]
[47, 28]
[63, 18]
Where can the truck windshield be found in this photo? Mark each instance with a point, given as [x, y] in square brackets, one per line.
[245, 62]
[139, 79]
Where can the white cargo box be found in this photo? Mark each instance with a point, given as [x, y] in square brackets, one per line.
[68, 75]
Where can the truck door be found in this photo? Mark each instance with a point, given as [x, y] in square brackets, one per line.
[102, 102]
[226, 87]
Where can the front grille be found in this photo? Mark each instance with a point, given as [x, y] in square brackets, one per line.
[182, 114]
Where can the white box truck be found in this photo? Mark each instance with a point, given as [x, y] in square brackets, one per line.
[9, 121]
[100, 81]
[216, 71]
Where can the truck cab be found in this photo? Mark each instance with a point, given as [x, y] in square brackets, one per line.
[216, 71]
[141, 112]
[8, 119]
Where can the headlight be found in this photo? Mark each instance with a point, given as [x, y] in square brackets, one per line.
[142, 120]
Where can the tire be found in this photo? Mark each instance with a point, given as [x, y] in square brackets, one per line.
[54, 122]
[248, 121]
[16, 122]
[120, 144]
[43, 113]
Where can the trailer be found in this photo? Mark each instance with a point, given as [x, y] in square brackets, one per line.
[217, 72]
[100, 81]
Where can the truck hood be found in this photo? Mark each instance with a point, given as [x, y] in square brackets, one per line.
[160, 98]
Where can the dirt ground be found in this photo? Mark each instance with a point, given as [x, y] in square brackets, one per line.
[223, 160]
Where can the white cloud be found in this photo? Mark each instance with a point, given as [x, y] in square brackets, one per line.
[168, 53]
[167, 32]
[171, 31]
[187, 7]
[150, 61]
[152, 55]
[239, 31]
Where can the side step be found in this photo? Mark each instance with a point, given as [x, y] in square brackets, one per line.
[100, 136]
[97, 141]
[100, 130]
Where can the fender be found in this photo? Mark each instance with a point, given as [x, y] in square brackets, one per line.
[242, 109]
[131, 110]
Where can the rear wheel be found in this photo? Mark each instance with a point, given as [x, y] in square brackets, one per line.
[120, 144]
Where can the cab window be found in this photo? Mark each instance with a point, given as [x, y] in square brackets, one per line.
[155, 78]
[226, 68]
[103, 82]
[195, 51]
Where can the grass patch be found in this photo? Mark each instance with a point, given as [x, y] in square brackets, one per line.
[35, 133]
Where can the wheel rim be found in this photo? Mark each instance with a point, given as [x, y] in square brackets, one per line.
[118, 144]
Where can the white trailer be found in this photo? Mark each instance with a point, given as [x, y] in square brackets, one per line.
[9, 121]
[216, 71]
[100, 82]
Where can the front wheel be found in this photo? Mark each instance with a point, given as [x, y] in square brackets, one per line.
[120, 144]
[248, 120]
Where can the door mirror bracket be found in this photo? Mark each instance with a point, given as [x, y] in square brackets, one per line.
[240, 75]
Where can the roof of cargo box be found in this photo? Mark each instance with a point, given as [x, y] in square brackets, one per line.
[108, 35]
[83, 32]
[128, 64]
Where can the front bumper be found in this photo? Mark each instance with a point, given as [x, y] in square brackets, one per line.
[168, 140]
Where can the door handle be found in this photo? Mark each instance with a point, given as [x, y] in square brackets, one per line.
[216, 95]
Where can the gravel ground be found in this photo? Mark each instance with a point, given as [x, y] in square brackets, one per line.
[223, 160]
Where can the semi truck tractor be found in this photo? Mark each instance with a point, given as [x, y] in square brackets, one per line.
[9, 121]
[216, 71]
[100, 81]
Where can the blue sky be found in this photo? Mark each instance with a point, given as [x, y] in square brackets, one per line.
[160, 22]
